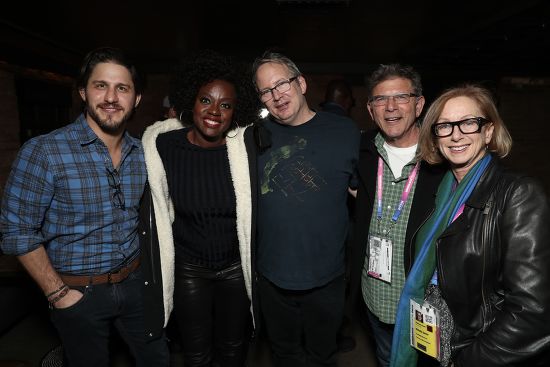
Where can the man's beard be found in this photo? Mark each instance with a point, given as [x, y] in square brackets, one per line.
[108, 124]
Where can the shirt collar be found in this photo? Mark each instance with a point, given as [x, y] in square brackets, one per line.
[379, 144]
[85, 133]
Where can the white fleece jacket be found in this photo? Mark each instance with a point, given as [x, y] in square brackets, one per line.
[164, 208]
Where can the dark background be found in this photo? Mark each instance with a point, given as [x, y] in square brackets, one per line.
[502, 45]
[489, 38]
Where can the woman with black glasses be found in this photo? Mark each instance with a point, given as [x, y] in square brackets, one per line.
[479, 291]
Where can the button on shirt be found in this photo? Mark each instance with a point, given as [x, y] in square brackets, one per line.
[380, 297]
[59, 195]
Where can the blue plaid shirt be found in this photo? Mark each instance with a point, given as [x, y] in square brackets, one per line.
[60, 195]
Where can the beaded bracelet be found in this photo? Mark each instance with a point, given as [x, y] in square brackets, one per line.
[57, 290]
[61, 294]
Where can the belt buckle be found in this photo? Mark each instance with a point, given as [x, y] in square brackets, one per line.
[109, 278]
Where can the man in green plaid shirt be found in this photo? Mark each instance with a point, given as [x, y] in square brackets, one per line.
[395, 195]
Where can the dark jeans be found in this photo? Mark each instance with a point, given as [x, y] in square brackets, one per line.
[84, 327]
[302, 325]
[383, 335]
[213, 315]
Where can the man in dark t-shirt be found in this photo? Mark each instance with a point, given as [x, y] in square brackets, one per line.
[302, 217]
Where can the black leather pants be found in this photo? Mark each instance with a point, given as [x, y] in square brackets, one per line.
[213, 315]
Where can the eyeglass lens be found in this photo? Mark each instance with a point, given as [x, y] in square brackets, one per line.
[467, 126]
[401, 98]
[282, 87]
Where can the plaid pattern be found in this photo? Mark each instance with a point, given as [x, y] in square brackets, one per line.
[58, 195]
[381, 297]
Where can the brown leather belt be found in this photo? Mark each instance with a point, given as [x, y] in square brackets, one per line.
[114, 277]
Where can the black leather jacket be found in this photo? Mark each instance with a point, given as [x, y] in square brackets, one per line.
[494, 273]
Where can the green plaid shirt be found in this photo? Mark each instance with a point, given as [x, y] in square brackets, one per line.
[381, 297]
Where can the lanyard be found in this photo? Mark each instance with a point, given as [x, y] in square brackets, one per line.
[404, 195]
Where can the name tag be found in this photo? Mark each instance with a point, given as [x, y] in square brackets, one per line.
[425, 329]
[380, 258]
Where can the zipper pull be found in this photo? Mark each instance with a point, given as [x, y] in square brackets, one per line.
[487, 208]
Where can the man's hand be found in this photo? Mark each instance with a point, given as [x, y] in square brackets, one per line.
[72, 297]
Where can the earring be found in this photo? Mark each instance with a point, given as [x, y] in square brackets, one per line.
[231, 136]
[236, 127]
[181, 113]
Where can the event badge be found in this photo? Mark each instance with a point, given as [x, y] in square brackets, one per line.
[425, 328]
[380, 257]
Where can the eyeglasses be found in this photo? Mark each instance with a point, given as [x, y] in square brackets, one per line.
[281, 87]
[400, 98]
[470, 125]
[117, 197]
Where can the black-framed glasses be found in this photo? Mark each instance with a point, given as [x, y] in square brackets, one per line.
[470, 125]
[117, 197]
[281, 87]
[400, 98]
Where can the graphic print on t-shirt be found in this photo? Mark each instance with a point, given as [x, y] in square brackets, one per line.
[289, 172]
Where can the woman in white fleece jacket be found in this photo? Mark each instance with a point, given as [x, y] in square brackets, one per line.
[200, 188]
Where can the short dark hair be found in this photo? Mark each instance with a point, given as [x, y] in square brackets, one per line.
[107, 54]
[393, 71]
[336, 88]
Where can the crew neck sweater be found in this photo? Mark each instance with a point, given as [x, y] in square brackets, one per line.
[200, 185]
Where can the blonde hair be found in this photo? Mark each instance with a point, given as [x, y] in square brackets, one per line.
[501, 141]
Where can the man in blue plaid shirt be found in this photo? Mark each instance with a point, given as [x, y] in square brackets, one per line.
[70, 215]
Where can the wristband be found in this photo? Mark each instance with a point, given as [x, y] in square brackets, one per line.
[58, 290]
[61, 294]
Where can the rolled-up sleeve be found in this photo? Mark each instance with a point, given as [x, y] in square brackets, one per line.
[27, 196]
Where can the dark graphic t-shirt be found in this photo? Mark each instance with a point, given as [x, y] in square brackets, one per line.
[303, 217]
